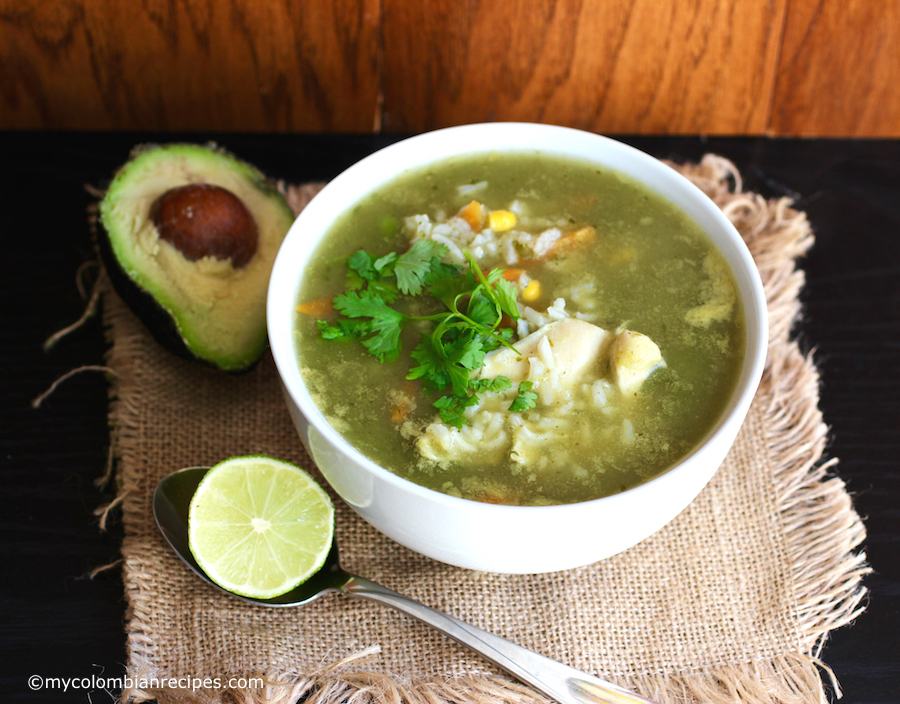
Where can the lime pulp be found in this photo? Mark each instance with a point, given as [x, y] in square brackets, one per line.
[259, 526]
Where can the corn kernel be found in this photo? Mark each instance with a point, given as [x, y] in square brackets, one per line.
[532, 291]
[501, 220]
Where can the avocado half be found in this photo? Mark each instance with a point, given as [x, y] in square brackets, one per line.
[189, 237]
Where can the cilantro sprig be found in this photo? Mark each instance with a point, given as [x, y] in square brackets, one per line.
[471, 308]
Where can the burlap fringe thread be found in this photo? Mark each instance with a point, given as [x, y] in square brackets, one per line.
[823, 531]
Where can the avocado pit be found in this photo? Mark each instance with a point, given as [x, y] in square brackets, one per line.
[202, 220]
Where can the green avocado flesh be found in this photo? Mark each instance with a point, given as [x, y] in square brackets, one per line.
[206, 309]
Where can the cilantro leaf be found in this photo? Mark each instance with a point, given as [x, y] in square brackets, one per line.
[412, 267]
[381, 265]
[385, 343]
[361, 263]
[506, 298]
[451, 408]
[467, 350]
[482, 310]
[494, 275]
[447, 357]
[375, 275]
[441, 272]
[459, 377]
[447, 283]
[385, 288]
[526, 398]
[431, 367]
[386, 322]
[501, 337]
[359, 304]
[331, 332]
[344, 330]
[496, 385]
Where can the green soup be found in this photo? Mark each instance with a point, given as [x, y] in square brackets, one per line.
[626, 351]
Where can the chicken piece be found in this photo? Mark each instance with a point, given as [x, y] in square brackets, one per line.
[633, 357]
[574, 344]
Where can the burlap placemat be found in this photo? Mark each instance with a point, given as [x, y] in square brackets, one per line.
[729, 603]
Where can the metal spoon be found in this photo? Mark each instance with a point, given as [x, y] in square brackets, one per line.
[560, 682]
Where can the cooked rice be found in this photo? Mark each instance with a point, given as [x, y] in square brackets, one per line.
[492, 434]
[511, 246]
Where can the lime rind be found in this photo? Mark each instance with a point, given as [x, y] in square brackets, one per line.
[259, 527]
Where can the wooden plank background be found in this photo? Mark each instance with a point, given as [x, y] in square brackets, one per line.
[781, 67]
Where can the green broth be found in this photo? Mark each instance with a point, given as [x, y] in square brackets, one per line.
[651, 270]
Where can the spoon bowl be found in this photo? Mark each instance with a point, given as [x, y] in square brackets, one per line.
[171, 503]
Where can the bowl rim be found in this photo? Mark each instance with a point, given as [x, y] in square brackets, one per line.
[285, 278]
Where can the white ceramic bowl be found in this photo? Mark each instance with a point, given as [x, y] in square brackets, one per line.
[512, 539]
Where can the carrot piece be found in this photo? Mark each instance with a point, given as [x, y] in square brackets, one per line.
[473, 214]
[399, 413]
[571, 240]
[403, 402]
[317, 308]
[512, 274]
[490, 493]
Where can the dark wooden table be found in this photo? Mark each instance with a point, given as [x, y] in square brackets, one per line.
[55, 621]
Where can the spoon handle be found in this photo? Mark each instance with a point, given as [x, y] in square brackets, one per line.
[560, 682]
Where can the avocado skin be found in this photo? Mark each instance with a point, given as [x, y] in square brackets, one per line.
[157, 319]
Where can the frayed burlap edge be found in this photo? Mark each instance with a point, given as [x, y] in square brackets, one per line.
[822, 530]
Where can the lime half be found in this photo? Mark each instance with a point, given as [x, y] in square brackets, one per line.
[259, 526]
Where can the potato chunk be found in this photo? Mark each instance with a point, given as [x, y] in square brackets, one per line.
[633, 357]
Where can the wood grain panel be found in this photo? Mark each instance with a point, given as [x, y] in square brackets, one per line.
[190, 64]
[839, 67]
[616, 66]
[793, 67]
